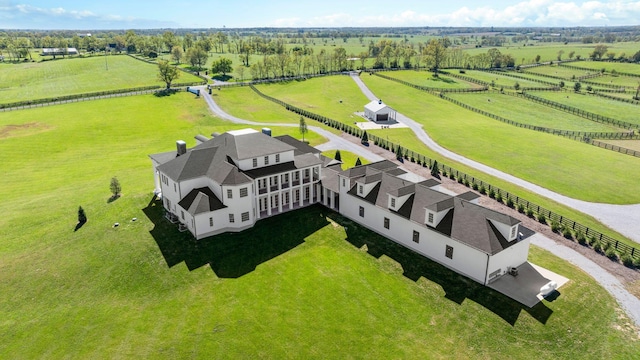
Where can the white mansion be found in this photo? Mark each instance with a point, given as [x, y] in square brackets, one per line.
[227, 183]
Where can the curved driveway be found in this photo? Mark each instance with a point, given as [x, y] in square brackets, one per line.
[623, 218]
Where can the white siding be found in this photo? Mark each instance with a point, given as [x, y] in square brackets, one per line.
[466, 260]
[512, 256]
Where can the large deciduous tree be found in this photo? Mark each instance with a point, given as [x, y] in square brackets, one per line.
[222, 66]
[167, 73]
[436, 54]
[177, 53]
[197, 57]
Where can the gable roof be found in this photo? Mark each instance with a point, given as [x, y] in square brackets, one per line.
[301, 147]
[375, 106]
[201, 200]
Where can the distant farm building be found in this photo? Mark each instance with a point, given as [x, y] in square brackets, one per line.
[379, 112]
[59, 51]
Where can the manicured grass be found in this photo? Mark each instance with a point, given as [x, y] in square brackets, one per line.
[501, 80]
[348, 158]
[29, 81]
[528, 112]
[246, 104]
[425, 78]
[598, 105]
[609, 66]
[627, 144]
[311, 289]
[559, 164]
[629, 82]
[336, 97]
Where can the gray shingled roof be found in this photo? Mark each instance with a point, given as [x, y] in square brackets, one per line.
[247, 146]
[301, 147]
[464, 221]
[201, 200]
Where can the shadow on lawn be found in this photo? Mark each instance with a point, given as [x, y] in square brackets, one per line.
[232, 255]
[457, 287]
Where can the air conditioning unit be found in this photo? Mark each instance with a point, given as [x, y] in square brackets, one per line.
[513, 271]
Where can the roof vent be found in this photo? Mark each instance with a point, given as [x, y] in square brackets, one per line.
[181, 146]
[266, 131]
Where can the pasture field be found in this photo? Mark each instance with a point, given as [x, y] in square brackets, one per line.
[501, 80]
[425, 78]
[598, 105]
[29, 81]
[560, 71]
[627, 144]
[336, 97]
[531, 113]
[629, 82]
[557, 163]
[610, 66]
[324, 288]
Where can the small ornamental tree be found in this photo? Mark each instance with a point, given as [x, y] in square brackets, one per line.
[435, 170]
[115, 187]
[365, 138]
[303, 127]
[82, 217]
[516, 86]
[358, 162]
[338, 156]
[577, 87]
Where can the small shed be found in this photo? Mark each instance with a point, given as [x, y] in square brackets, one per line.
[377, 111]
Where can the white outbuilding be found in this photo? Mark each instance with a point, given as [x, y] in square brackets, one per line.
[377, 111]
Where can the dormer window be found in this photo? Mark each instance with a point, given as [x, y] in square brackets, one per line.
[266, 160]
[430, 218]
[360, 189]
[513, 233]
[393, 202]
[277, 158]
[255, 162]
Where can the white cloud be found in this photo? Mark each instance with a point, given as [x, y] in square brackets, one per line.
[524, 13]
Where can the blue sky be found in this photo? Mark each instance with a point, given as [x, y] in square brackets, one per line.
[139, 14]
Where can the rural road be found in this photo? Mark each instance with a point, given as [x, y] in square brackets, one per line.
[623, 218]
[627, 301]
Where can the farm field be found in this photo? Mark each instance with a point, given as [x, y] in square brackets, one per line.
[547, 160]
[610, 66]
[531, 113]
[629, 82]
[560, 71]
[502, 80]
[29, 81]
[424, 78]
[627, 144]
[598, 105]
[336, 97]
[145, 290]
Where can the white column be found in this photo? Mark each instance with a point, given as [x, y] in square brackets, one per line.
[290, 192]
[269, 204]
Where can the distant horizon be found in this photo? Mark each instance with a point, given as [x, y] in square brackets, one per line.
[70, 15]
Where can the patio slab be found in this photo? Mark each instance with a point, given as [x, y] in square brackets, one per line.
[525, 287]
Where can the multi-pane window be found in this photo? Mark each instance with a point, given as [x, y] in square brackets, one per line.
[277, 158]
[344, 182]
[231, 218]
[361, 212]
[266, 160]
[244, 192]
[182, 213]
[386, 223]
[449, 252]
[393, 202]
[245, 216]
[210, 222]
[307, 193]
[513, 232]
[360, 189]
[430, 218]
[416, 237]
[255, 162]
[229, 193]
[306, 173]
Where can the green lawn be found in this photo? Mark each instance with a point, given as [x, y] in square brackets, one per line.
[348, 158]
[29, 81]
[598, 105]
[559, 164]
[425, 78]
[246, 104]
[630, 82]
[627, 144]
[531, 113]
[336, 97]
[313, 290]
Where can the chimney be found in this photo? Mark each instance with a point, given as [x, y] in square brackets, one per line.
[181, 147]
[380, 101]
[266, 131]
